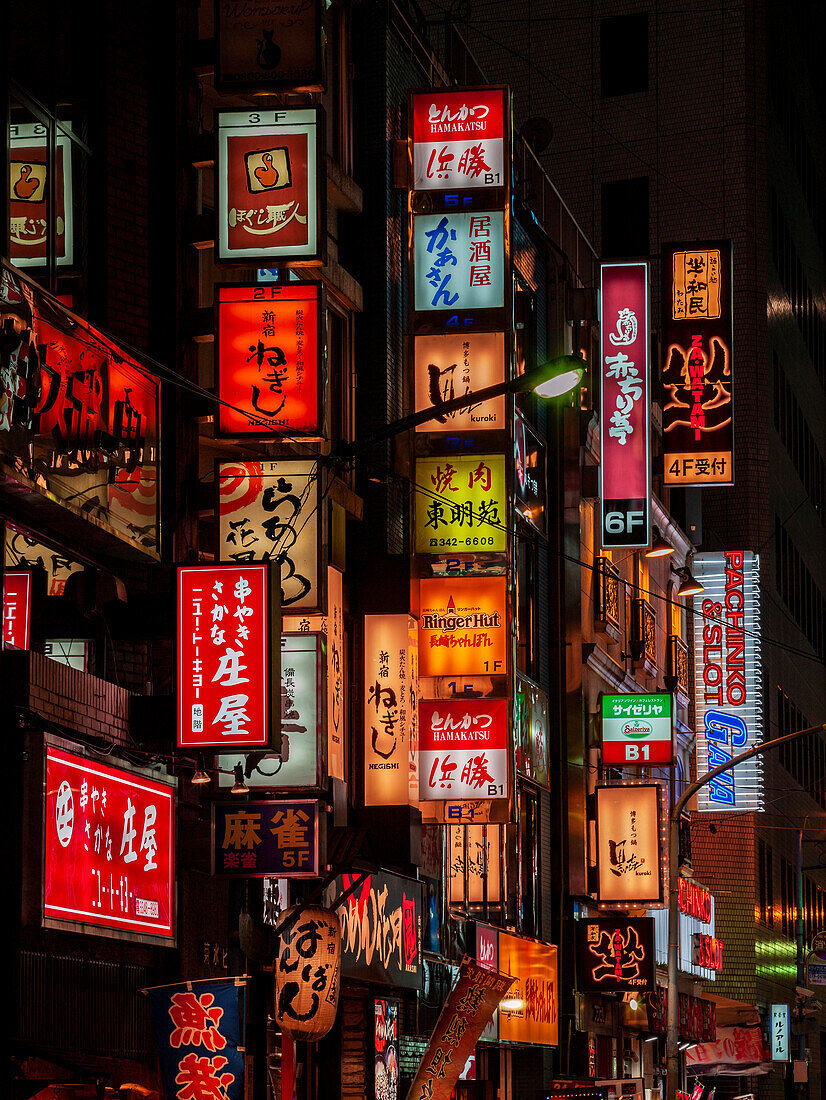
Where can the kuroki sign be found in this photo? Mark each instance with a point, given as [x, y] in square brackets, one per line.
[625, 399]
[463, 749]
[698, 434]
[636, 729]
[269, 355]
[461, 504]
[17, 608]
[109, 849]
[457, 365]
[461, 139]
[29, 191]
[728, 696]
[628, 844]
[463, 627]
[270, 186]
[226, 616]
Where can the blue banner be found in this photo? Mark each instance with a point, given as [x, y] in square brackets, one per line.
[198, 1032]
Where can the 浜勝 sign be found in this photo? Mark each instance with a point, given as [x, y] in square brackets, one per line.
[636, 729]
[460, 139]
[463, 749]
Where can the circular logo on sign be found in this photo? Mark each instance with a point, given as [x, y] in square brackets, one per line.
[636, 729]
[819, 945]
[64, 813]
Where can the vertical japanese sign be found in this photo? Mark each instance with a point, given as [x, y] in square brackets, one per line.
[463, 626]
[728, 671]
[474, 868]
[625, 461]
[628, 844]
[262, 839]
[637, 729]
[270, 186]
[109, 849]
[529, 480]
[487, 956]
[269, 359]
[530, 1014]
[269, 46]
[29, 196]
[461, 504]
[459, 261]
[198, 1031]
[269, 511]
[225, 624]
[307, 973]
[386, 1047]
[451, 366]
[698, 436]
[461, 139]
[463, 749]
[615, 954]
[17, 608]
[467, 1011]
[780, 1033]
[390, 705]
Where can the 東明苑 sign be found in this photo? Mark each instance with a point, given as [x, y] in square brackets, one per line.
[270, 186]
[461, 504]
[29, 195]
[698, 435]
[269, 46]
[628, 844]
[459, 261]
[255, 839]
[109, 849]
[225, 623]
[17, 608]
[530, 1012]
[391, 692]
[636, 729]
[463, 626]
[615, 954]
[456, 365]
[729, 691]
[625, 463]
[461, 139]
[269, 358]
[463, 749]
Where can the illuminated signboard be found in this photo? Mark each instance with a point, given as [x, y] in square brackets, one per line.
[706, 951]
[637, 729]
[29, 196]
[25, 552]
[268, 46]
[696, 918]
[530, 731]
[386, 1045]
[225, 623]
[270, 186]
[459, 261]
[109, 849]
[463, 627]
[463, 749]
[268, 511]
[780, 1033]
[615, 954]
[269, 355]
[728, 693]
[474, 868]
[530, 1011]
[460, 139]
[628, 844]
[253, 839]
[487, 955]
[625, 463]
[17, 608]
[455, 365]
[461, 504]
[529, 480]
[390, 713]
[697, 364]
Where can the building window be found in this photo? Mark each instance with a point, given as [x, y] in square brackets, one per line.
[796, 436]
[623, 51]
[340, 375]
[338, 98]
[529, 916]
[625, 218]
[765, 882]
[798, 589]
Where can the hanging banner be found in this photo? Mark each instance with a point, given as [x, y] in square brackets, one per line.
[474, 864]
[625, 406]
[729, 692]
[270, 186]
[461, 504]
[270, 345]
[463, 749]
[737, 1052]
[17, 608]
[467, 1011]
[263, 839]
[463, 626]
[390, 710]
[637, 729]
[29, 195]
[109, 849]
[530, 731]
[459, 261]
[455, 365]
[529, 480]
[386, 1048]
[628, 844]
[698, 436]
[269, 46]
[225, 622]
[530, 1012]
[269, 511]
[198, 1031]
[615, 954]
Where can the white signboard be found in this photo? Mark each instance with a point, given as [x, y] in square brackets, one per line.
[459, 261]
[780, 1033]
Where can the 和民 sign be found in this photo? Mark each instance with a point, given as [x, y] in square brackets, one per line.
[463, 626]
[17, 608]
[270, 186]
[29, 195]
[615, 954]
[624, 464]
[269, 46]
[390, 710]
[628, 844]
[109, 849]
[268, 359]
[257, 839]
[460, 139]
[461, 504]
[463, 749]
[459, 261]
[456, 365]
[225, 623]
[636, 729]
[698, 436]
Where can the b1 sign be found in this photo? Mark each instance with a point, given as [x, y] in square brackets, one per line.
[636, 729]
[459, 139]
[463, 749]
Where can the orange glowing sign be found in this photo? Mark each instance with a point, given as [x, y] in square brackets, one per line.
[447, 367]
[628, 844]
[530, 1011]
[463, 627]
[390, 710]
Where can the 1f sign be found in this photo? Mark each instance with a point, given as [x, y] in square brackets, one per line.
[624, 469]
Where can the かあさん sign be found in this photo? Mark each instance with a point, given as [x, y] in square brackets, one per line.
[459, 261]
[463, 749]
[258, 839]
[460, 139]
[109, 849]
[628, 844]
[461, 504]
[636, 729]
[615, 954]
[463, 627]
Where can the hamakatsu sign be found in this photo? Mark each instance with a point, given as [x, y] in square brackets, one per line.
[636, 729]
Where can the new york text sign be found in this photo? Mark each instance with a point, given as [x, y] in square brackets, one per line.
[625, 463]
[636, 729]
[460, 139]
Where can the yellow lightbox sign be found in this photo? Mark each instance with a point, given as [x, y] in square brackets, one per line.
[461, 504]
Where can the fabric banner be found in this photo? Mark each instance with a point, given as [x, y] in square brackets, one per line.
[468, 1009]
[738, 1051]
[198, 1032]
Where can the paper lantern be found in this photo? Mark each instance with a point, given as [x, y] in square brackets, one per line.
[307, 973]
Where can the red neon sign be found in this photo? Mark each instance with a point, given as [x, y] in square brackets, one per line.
[463, 749]
[706, 951]
[17, 608]
[694, 900]
[459, 139]
[109, 848]
[223, 655]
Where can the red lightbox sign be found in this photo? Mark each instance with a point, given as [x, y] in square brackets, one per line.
[460, 139]
[268, 359]
[463, 749]
[29, 187]
[17, 608]
[109, 849]
[224, 634]
[625, 466]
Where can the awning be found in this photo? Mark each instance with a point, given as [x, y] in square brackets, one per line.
[737, 1052]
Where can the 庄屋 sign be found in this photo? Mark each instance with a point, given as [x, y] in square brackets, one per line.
[636, 729]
